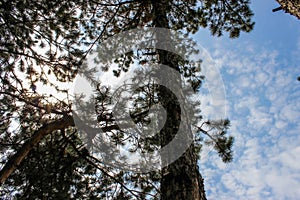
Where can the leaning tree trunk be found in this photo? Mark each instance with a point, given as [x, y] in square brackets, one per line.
[181, 180]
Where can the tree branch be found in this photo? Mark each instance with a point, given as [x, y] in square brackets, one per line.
[88, 158]
[277, 9]
[15, 161]
[64, 122]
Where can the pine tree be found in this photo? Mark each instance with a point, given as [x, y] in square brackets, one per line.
[289, 6]
[42, 155]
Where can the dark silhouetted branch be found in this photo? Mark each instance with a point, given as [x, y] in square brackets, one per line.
[277, 9]
[46, 129]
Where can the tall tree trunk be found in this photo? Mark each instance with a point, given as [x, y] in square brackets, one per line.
[181, 180]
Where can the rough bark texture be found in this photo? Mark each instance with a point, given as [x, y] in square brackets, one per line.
[180, 179]
[291, 6]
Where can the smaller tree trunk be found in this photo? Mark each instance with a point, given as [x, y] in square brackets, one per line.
[15, 161]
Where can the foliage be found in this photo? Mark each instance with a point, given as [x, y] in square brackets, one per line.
[43, 39]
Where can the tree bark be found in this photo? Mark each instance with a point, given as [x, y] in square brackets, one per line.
[46, 129]
[63, 123]
[180, 179]
[290, 6]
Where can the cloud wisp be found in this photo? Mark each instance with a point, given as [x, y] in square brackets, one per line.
[263, 98]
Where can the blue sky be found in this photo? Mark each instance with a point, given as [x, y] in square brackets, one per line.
[259, 72]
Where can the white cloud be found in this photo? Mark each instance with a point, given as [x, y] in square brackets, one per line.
[264, 107]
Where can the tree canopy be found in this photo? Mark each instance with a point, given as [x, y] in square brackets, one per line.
[42, 155]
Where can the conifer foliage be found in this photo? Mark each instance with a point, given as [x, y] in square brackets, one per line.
[42, 156]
